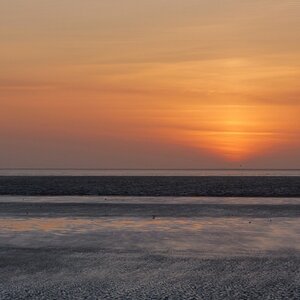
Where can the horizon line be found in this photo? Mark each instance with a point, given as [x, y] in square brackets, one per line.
[149, 169]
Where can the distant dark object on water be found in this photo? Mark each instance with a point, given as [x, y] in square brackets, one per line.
[153, 217]
[250, 222]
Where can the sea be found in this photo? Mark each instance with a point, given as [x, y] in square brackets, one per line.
[149, 172]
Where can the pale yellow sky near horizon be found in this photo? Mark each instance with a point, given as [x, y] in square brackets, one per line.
[150, 84]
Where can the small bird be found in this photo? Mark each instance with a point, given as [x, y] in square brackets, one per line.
[153, 217]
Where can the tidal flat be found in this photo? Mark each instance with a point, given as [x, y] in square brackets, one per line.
[149, 248]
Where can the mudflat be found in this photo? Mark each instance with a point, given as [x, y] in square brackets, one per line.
[122, 238]
[149, 248]
[45, 273]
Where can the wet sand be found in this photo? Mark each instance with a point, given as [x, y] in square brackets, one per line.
[85, 274]
[149, 248]
[221, 186]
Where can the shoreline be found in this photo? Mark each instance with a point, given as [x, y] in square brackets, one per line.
[146, 210]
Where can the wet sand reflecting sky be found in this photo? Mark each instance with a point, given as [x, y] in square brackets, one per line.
[210, 236]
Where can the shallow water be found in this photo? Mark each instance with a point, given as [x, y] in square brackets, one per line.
[223, 235]
[209, 236]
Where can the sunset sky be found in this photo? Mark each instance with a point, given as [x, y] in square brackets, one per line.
[150, 84]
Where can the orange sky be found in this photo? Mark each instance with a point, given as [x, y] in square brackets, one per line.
[150, 84]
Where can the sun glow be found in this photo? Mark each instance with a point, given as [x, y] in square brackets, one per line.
[240, 134]
[233, 132]
[235, 146]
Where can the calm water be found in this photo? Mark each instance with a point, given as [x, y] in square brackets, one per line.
[207, 236]
[52, 172]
